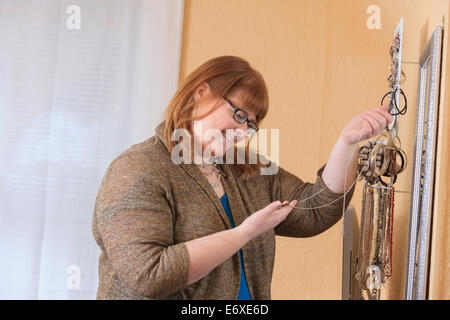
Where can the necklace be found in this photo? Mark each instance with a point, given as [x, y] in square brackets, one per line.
[215, 172]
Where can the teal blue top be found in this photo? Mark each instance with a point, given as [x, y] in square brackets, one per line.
[244, 293]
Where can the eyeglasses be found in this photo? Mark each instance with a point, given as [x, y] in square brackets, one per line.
[240, 116]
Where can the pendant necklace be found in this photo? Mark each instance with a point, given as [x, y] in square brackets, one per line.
[215, 173]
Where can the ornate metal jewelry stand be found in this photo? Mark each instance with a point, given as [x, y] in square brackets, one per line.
[377, 159]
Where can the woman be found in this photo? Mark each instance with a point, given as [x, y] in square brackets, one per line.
[171, 230]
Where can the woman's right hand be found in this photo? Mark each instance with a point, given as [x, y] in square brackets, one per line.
[265, 219]
[206, 253]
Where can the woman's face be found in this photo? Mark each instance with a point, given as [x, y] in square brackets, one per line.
[220, 124]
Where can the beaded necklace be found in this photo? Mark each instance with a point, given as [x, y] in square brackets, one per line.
[216, 173]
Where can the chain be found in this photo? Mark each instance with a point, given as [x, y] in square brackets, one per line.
[216, 173]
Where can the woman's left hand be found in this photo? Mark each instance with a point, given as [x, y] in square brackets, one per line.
[367, 125]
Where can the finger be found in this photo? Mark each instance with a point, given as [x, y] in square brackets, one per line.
[293, 203]
[289, 206]
[382, 120]
[372, 122]
[278, 205]
[272, 206]
[379, 123]
[367, 131]
[287, 202]
[383, 111]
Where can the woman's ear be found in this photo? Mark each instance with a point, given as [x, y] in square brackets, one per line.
[202, 90]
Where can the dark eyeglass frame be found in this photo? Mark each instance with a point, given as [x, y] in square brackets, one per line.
[250, 124]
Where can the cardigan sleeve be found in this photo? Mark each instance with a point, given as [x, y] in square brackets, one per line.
[135, 222]
[323, 207]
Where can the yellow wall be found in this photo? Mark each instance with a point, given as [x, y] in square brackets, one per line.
[322, 67]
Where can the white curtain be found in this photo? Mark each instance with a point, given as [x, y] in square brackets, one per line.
[80, 81]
